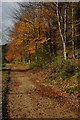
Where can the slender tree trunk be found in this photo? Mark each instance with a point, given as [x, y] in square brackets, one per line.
[65, 31]
[73, 43]
[39, 30]
[63, 41]
[50, 30]
[54, 44]
[23, 51]
[65, 24]
[35, 43]
[26, 58]
[64, 47]
[21, 56]
[47, 41]
[36, 58]
[50, 35]
[29, 58]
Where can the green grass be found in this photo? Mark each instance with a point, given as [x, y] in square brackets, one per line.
[5, 66]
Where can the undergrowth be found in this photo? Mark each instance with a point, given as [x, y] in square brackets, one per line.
[62, 74]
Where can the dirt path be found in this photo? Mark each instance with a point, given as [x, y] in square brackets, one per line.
[25, 102]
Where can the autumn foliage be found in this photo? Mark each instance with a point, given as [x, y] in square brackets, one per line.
[37, 29]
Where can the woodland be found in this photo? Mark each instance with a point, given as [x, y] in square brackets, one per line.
[46, 35]
[44, 31]
[46, 39]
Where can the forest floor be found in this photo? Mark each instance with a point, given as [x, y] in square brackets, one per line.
[26, 100]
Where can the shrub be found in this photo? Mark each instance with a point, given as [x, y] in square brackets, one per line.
[34, 66]
[68, 70]
[4, 64]
[78, 78]
[70, 90]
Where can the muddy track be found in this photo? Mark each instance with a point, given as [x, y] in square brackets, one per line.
[24, 101]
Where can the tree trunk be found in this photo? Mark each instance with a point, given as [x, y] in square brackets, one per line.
[65, 34]
[73, 43]
[54, 44]
[29, 58]
[26, 58]
[39, 31]
[63, 41]
[36, 58]
[50, 35]
[65, 24]
[64, 47]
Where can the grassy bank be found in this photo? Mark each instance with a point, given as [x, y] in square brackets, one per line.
[61, 74]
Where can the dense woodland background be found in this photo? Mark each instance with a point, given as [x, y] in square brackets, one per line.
[43, 31]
